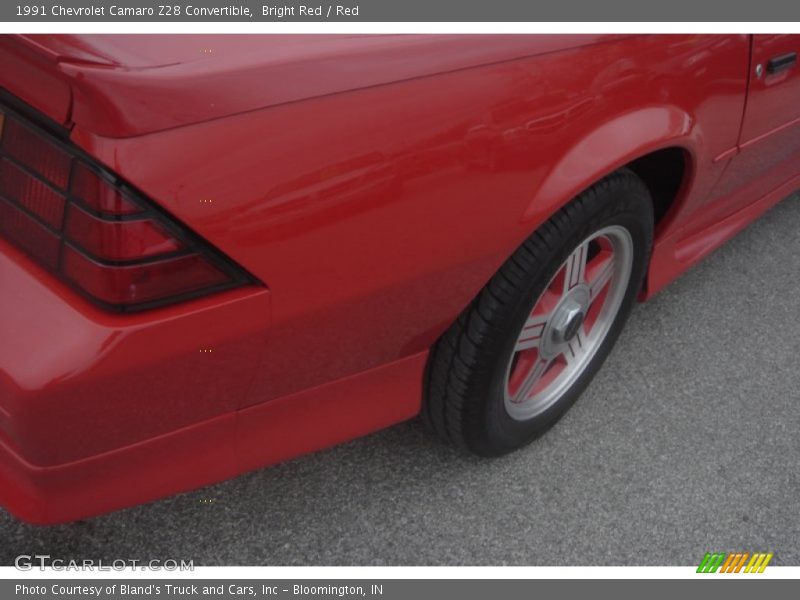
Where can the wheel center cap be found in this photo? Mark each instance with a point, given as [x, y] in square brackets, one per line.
[566, 321]
[573, 323]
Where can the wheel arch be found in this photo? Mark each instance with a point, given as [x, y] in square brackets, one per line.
[658, 143]
[666, 173]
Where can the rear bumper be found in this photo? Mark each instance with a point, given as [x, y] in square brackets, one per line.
[76, 381]
[154, 468]
[83, 393]
[101, 411]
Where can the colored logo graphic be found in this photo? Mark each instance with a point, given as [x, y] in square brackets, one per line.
[734, 562]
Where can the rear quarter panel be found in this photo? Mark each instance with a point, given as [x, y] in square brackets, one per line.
[375, 215]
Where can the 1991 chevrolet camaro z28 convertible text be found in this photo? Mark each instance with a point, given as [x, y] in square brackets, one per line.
[221, 252]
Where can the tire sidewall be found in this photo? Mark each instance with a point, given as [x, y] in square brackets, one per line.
[633, 212]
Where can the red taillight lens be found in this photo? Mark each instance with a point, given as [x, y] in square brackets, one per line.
[118, 240]
[36, 152]
[31, 193]
[99, 195]
[140, 282]
[93, 231]
[28, 235]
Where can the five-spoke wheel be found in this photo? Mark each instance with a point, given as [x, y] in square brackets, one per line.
[528, 345]
[568, 322]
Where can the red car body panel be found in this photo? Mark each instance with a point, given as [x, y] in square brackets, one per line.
[374, 184]
[123, 87]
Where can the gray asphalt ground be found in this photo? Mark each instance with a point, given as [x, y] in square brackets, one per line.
[688, 441]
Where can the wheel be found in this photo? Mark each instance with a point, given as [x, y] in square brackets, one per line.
[527, 346]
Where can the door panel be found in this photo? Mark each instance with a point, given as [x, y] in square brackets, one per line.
[773, 96]
[769, 143]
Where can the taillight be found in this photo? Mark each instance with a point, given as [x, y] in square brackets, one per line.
[95, 232]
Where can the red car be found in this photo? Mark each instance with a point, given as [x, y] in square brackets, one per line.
[221, 252]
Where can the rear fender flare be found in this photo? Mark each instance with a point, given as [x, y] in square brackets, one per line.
[607, 148]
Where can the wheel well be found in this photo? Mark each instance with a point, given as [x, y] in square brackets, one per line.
[663, 172]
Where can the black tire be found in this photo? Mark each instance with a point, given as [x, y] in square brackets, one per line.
[465, 381]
